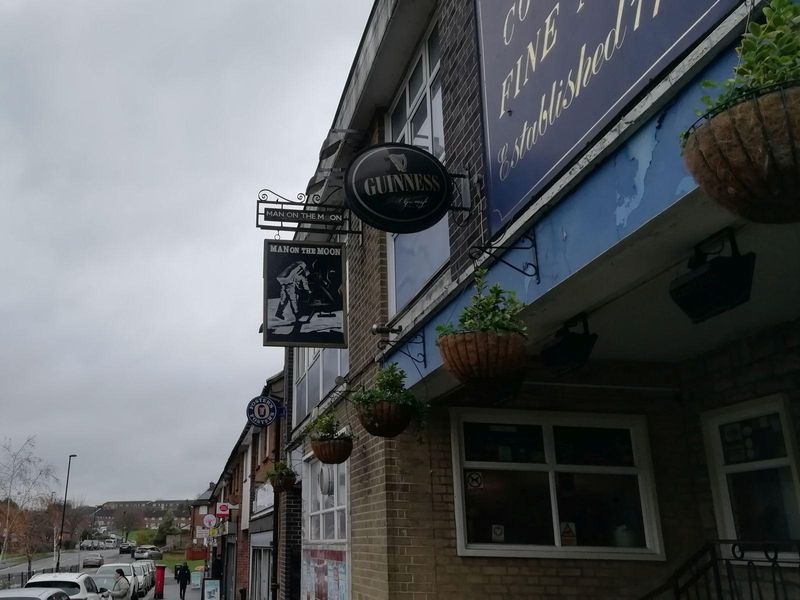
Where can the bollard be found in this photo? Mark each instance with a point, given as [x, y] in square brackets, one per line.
[160, 573]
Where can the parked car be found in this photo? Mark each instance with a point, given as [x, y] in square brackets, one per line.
[126, 547]
[149, 571]
[109, 544]
[86, 545]
[93, 560]
[135, 590]
[34, 593]
[153, 552]
[138, 571]
[78, 586]
[104, 582]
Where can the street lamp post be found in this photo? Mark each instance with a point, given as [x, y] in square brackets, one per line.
[63, 512]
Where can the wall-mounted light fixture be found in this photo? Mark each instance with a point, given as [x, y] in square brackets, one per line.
[569, 350]
[713, 286]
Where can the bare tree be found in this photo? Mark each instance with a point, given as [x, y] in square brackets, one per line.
[24, 477]
[128, 519]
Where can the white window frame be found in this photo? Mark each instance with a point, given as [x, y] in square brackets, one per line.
[429, 76]
[637, 424]
[304, 359]
[312, 487]
[718, 471]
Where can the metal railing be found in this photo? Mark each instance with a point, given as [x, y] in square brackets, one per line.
[17, 580]
[736, 570]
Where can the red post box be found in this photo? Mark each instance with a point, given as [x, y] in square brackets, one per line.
[159, 593]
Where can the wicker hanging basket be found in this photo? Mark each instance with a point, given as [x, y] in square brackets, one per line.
[482, 355]
[747, 156]
[385, 419]
[332, 452]
[283, 483]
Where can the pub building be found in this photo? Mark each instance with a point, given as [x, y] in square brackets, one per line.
[650, 443]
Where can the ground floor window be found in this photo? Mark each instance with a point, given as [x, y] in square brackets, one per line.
[260, 565]
[325, 502]
[554, 484]
[753, 467]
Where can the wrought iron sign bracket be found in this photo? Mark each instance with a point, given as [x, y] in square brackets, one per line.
[308, 213]
[462, 208]
[526, 242]
[420, 357]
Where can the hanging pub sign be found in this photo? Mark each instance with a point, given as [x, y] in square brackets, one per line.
[557, 73]
[397, 188]
[304, 292]
[262, 411]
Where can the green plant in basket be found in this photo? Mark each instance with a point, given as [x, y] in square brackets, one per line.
[386, 408]
[492, 309]
[769, 54]
[327, 427]
[743, 151]
[489, 341]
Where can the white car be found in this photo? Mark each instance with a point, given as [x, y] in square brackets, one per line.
[78, 586]
[149, 571]
[34, 593]
[144, 583]
[135, 590]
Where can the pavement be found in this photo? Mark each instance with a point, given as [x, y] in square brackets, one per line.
[173, 592]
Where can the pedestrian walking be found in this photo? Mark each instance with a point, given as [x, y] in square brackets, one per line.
[184, 575]
[121, 586]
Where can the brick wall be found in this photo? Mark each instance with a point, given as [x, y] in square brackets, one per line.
[289, 503]
[242, 563]
[754, 367]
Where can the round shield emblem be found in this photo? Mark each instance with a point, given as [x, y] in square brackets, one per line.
[262, 411]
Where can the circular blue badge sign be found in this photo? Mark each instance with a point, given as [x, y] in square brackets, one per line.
[262, 411]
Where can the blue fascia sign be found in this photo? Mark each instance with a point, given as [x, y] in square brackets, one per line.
[556, 73]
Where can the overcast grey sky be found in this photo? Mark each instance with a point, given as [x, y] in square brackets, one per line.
[134, 137]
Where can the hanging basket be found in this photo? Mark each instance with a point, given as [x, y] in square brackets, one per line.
[747, 156]
[332, 452]
[481, 355]
[283, 482]
[385, 419]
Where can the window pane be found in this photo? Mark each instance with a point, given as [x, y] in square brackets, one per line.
[600, 510]
[344, 361]
[341, 520]
[437, 119]
[399, 117]
[315, 527]
[313, 490]
[434, 50]
[328, 525]
[493, 500]
[415, 82]
[492, 442]
[764, 505]
[417, 257]
[341, 492]
[755, 439]
[421, 127]
[300, 409]
[330, 370]
[593, 446]
[312, 381]
[327, 499]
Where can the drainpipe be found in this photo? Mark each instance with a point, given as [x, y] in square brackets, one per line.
[276, 518]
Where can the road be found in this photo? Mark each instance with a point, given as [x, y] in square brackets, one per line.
[69, 558]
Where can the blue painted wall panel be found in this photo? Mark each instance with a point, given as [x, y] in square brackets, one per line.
[639, 181]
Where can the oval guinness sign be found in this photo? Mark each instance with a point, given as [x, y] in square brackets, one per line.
[397, 188]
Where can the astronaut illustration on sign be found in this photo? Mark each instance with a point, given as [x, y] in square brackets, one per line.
[294, 283]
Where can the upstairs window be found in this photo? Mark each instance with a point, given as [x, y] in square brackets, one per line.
[416, 118]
